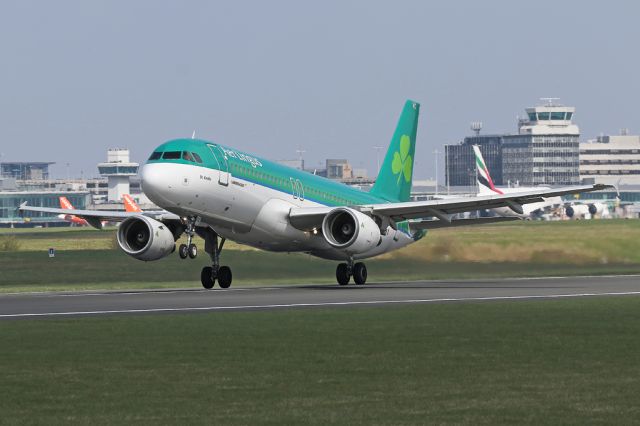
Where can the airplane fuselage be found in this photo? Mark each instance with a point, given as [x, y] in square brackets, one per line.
[248, 199]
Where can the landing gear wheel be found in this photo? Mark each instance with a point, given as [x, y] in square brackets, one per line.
[206, 276]
[342, 274]
[183, 251]
[359, 273]
[193, 251]
[224, 276]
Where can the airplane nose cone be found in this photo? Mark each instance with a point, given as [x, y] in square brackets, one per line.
[155, 182]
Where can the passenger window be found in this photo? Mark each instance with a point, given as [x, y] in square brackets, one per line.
[155, 156]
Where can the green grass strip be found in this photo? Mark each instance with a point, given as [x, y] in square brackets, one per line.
[560, 362]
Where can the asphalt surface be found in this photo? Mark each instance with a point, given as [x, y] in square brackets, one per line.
[42, 305]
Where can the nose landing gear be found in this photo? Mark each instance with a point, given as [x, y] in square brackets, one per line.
[210, 274]
[189, 249]
[344, 272]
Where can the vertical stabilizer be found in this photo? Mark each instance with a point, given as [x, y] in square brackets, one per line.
[394, 178]
[483, 178]
[65, 203]
[130, 205]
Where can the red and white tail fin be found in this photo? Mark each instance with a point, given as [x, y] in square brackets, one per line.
[65, 204]
[130, 205]
[483, 178]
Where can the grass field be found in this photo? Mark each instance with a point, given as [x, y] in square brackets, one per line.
[559, 362]
[89, 259]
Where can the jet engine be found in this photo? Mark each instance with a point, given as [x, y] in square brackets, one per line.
[596, 208]
[145, 239]
[577, 211]
[349, 230]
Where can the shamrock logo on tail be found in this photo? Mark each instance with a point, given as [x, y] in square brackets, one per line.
[401, 164]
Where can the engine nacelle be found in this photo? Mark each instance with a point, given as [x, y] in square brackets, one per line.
[145, 238]
[349, 230]
[596, 208]
[577, 211]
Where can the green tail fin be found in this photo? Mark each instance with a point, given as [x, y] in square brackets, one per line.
[395, 176]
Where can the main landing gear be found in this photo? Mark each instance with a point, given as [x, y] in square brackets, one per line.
[345, 271]
[189, 249]
[210, 274]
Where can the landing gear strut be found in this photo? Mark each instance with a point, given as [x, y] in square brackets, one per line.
[345, 271]
[189, 249]
[210, 274]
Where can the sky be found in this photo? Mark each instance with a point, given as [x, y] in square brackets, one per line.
[326, 77]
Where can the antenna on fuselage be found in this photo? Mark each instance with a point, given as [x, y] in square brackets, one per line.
[193, 135]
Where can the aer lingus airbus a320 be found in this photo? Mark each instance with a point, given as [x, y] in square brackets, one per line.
[220, 193]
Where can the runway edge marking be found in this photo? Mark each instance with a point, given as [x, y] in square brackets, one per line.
[305, 305]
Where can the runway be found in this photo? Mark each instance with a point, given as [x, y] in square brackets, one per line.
[42, 305]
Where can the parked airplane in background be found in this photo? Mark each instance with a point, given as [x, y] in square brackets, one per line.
[75, 220]
[587, 211]
[218, 192]
[486, 187]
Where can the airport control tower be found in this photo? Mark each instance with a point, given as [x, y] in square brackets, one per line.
[545, 151]
[118, 169]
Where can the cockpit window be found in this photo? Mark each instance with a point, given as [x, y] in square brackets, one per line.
[155, 156]
[197, 157]
[186, 155]
[171, 155]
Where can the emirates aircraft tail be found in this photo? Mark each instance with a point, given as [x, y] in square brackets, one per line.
[483, 178]
[130, 205]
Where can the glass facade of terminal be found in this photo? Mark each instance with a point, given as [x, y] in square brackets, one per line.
[10, 201]
[460, 165]
[531, 160]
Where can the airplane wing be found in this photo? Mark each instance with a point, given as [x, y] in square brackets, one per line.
[96, 217]
[437, 223]
[308, 218]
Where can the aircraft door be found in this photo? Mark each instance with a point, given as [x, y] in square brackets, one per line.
[223, 164]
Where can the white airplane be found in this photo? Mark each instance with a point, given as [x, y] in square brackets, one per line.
[587, 211]
[486, 187]
[218, 192]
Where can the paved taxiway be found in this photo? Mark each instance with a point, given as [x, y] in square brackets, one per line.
[251, 298]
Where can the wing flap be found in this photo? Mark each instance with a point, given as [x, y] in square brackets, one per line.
[435, 224]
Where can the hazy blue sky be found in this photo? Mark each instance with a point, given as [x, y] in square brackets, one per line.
[77, 77]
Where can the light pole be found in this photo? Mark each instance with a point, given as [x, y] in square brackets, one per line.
[377, 148]
[436, 152]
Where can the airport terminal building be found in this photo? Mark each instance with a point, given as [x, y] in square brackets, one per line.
[611, 160]
[545, 151]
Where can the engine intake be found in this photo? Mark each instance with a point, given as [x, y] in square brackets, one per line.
[350, 230]
[144, 238]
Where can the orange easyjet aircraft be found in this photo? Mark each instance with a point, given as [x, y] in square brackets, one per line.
[75, 220]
